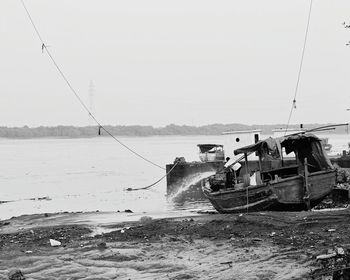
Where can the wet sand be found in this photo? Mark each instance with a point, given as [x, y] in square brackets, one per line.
[266, 245]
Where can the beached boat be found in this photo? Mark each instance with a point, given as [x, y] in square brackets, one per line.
[211, 152]
[298, 186]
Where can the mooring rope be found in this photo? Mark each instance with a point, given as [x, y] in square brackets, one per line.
[58, 68]
[300, 68]
[156, 182]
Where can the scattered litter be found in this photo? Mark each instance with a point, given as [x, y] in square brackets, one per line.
[326, 256]
[335, 265]
[122, 231]
[340, 251]
[55, 243]
[15, 274]
[273, 234]
[28, 252]
[331, 230]
[229, 263]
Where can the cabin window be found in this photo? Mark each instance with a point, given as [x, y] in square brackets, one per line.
[256, 138]
[237, 139]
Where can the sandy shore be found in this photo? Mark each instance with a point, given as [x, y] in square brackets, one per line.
[266, 245]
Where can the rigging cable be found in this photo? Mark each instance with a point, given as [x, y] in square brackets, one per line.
[43, 47]
[300, 68]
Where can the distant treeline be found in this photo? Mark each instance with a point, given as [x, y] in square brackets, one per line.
[138, 130]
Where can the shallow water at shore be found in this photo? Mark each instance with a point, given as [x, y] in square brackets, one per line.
[58, 175]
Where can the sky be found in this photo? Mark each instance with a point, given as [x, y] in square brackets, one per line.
[158, 62]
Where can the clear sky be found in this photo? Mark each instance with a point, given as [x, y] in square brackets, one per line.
[158, 62]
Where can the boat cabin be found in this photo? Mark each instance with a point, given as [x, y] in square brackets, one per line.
[211, 152]
[310, 156]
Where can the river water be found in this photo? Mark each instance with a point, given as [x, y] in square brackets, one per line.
[91, 174]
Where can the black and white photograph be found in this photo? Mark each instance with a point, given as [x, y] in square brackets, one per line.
[188, 139]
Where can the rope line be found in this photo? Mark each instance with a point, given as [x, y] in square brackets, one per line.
[58, 68]
[156, 182]
[300, 68]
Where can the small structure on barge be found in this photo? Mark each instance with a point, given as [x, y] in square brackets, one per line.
[211, 152]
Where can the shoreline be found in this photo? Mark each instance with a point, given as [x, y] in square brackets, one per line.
[261, 245]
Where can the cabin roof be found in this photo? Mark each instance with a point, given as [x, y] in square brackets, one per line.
[306, 146]
[241, 131]
[209, 146]
[290, 142]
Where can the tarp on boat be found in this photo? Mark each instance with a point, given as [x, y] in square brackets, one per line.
[310, 147]
[305, 145]
[267, 148]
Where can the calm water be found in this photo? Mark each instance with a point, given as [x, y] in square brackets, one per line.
[92, 174]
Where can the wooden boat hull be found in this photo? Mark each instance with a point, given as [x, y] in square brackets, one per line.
[282, 195]
[290, 193]
[235, 201]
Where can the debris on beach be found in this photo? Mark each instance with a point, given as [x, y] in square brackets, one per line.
[334, 265]
[55, 243]
[15, 274]
[229, 263]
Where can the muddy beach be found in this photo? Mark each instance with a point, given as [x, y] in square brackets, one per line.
[265, 245]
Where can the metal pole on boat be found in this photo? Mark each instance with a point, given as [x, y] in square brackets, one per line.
[247, 172]
[306, 182]
[246, 163]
